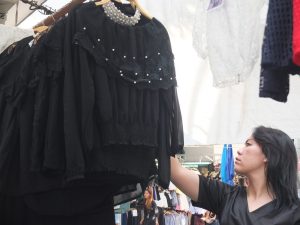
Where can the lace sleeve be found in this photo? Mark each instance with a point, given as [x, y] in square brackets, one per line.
[199, 29]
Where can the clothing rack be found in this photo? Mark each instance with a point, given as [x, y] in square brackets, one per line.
[59, 14]
[171, 210]
[46, 10]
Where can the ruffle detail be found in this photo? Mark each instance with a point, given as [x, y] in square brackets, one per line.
[140, 54]
[154, 72]
[79, 116]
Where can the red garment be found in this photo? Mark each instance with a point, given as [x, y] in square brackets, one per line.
[296, 32]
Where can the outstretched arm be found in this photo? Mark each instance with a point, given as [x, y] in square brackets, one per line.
[186, 180]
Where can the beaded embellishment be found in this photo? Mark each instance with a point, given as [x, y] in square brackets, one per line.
[119, 17]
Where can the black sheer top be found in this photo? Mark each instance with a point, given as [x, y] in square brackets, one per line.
[94, 103]
[276, 62]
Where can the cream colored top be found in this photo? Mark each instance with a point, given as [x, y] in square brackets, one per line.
[10, 34]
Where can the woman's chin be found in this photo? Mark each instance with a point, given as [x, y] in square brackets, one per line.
[238, 171]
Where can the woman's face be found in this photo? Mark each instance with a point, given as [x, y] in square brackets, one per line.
[146, 194]
[250, 158]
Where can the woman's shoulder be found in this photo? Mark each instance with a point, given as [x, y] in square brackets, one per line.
[291, 213]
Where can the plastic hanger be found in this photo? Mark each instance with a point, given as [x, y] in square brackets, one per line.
[134, 4]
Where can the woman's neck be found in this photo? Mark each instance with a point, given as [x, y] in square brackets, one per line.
[258, 188]
[258, 192]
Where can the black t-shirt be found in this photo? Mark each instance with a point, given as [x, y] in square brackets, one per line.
[230, 204]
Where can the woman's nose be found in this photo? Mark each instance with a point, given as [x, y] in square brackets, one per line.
[239, 152]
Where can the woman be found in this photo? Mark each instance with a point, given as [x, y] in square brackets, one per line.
[150, 209]
[269, 161]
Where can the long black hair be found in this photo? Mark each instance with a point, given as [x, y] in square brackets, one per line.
[281, 168]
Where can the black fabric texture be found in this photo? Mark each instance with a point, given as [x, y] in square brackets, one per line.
[276, 62]
[72, 126]
[16, 211]
[106, 116]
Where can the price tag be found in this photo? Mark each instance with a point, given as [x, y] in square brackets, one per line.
[134, 213]
[215, 4]
[31, 43]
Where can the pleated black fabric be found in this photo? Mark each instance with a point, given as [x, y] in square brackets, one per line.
[118, 115]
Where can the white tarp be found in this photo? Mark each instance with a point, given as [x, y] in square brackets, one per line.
[19, 12]
[217, 115]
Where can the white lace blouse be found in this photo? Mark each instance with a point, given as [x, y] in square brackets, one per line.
[230, 35]
[10, 34]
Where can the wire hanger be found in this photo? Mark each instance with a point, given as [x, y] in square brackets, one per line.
[134, 4]
[46, 10]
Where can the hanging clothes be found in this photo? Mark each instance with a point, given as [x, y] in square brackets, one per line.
[277, 52]
[86, 112]
[132, 219]
[116, 108]
[10, 35]
[183, 201]
[227, 165]
[296, 32]
[229, 35]
[12, 62]
[163, 203]
[135, 112]
[157, 192]
[124, 219]
[168, 197]
[174, 199]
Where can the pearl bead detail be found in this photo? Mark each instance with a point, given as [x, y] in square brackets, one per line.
[116, 15]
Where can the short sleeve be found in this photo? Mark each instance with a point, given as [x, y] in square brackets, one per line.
[213, 194]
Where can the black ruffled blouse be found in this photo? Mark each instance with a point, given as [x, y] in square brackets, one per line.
[98, 104]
